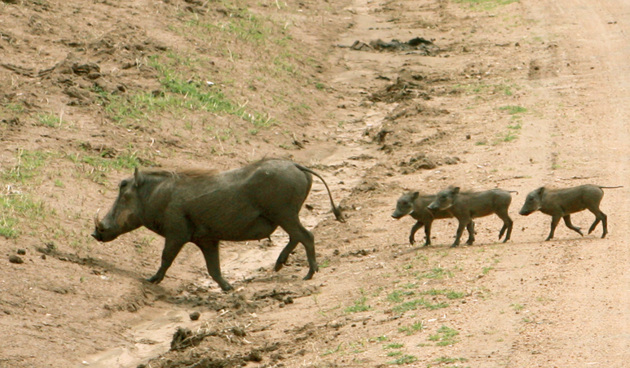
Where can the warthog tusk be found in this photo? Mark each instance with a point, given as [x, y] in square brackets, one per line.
[96, 220]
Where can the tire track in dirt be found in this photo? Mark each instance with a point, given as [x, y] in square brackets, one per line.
[581, 290]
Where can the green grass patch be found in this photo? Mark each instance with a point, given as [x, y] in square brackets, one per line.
[512, 110]
[17, 207]
[26, 167]
[446, 360]
[178, 93]
[450, 294]
[49, 120]
[398, 296]
[437, 273]
[243, 35]
[412, 329]
[8, 225]
[332, 351]
[512, 132]
[507, 137]
[358, 306]
[445, 336]
[97, 166]
[12, 108]
[393, 346]
[378, 339]
[516, 126]
[403, 303]
[128, 160]
[485, 4]
[404, 359]
[241, 24]
[417, 303]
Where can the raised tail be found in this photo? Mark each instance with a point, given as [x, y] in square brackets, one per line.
[336, 210]
[619, 186]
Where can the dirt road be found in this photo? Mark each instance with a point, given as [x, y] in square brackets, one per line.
[515, 95]
[585, 322]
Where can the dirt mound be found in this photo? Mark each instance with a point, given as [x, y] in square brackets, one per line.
[417, 45]
[407, 86]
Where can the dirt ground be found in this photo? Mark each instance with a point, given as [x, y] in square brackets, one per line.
[380, 97]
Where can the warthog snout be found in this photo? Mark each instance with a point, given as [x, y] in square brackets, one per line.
[96, 235]
[102, 231]
[524, 212]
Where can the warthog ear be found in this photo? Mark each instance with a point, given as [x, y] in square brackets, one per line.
[455, 190]
[540, 191]
[137, 177]
[415, 195]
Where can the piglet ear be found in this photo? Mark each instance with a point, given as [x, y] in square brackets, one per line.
[455, 190]
[415, 195]
[138, 178]
[540, 191]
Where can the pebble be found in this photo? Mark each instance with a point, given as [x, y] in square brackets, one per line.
[15, 259]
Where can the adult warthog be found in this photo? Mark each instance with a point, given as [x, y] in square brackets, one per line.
[205, 207]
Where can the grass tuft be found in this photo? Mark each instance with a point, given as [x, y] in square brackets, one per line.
[445, 336]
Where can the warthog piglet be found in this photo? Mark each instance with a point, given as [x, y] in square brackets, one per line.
[561, 203]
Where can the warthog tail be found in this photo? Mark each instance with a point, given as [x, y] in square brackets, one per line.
[335, 209]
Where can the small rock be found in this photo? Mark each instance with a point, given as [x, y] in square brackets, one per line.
[15, 259]
[194, 316]
[288, 300]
